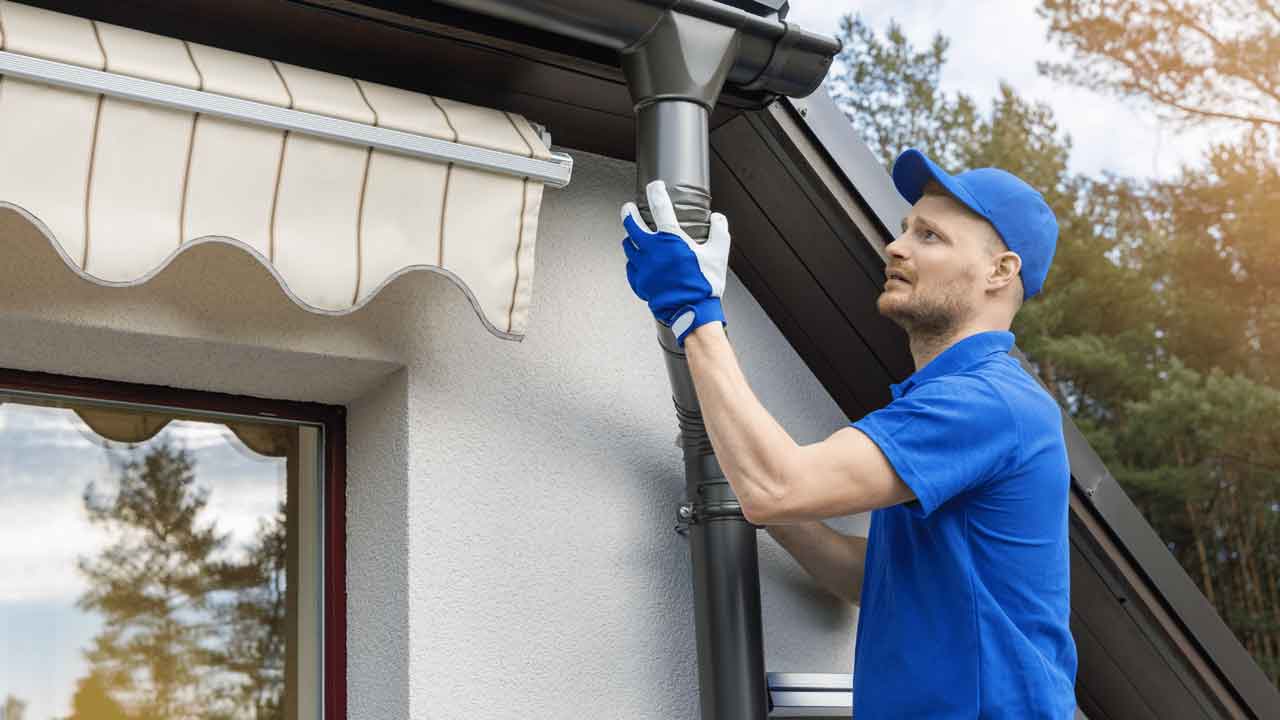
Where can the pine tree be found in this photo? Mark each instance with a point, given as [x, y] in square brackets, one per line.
[153, 586]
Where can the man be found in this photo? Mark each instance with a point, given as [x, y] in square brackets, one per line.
[963, 580]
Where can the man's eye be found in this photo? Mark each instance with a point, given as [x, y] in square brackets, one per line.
[929, 234]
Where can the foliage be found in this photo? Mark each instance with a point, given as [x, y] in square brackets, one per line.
[889, 91]
[186, 632]
[1199, 60]
[256, 621]
[1156, 329]
[13, 708]
[151, 585]
[93, 699]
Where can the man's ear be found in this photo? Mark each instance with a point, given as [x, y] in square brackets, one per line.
[1004, 269]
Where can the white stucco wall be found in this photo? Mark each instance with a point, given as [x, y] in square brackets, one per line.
[510, 505]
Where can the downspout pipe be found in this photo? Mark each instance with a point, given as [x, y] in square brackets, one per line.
[674, 76]
[675, 73]
[676, 56]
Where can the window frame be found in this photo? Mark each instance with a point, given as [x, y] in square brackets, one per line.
[333, 423]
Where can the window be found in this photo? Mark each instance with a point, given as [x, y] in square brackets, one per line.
[168, 555]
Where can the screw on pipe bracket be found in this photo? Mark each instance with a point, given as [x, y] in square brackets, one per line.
[684, 518]
[689, 514]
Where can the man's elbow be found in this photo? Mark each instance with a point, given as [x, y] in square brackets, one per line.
[755, 513]
[777, 497]
[770, 491]
[765, 503]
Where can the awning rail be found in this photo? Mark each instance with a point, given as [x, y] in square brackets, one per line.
[555, 172]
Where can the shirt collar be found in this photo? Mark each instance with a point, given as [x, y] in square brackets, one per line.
[962, 354]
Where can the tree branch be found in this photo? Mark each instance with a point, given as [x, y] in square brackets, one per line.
[1148, 87]
[1270, 8]
[1221, 46]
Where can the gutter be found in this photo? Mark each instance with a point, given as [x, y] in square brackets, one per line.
[677, 56]
[775, 56]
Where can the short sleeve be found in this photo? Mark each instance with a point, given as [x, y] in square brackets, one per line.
[944, 437]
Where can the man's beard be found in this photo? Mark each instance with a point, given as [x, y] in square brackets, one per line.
[937, 314]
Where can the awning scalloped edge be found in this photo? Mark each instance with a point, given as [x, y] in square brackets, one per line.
[252, 252]
[122, 183]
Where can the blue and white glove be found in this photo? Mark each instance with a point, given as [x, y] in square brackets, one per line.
[680, 278]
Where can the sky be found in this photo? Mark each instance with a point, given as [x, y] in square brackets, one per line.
[47, 457]
[994, 40]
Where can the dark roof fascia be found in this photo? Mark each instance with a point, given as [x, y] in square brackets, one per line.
[1149, 555]
[866, 177]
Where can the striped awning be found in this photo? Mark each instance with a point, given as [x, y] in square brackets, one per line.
[126, 148]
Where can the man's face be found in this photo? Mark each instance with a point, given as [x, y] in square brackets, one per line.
[935, 267]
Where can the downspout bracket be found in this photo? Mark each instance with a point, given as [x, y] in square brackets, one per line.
[689, 514]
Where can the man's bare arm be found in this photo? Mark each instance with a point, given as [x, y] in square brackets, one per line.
[834, 560]
[776, 480]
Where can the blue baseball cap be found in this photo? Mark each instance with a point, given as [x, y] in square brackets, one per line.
[1019, 213]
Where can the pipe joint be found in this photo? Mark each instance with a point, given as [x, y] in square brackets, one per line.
[682, 58]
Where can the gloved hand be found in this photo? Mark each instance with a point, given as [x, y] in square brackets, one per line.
[680, 278]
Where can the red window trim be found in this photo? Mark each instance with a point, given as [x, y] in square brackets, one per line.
[333, 418]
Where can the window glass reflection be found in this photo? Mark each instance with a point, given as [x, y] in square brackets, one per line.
[143, 565]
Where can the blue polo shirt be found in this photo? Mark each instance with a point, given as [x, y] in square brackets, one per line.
[966, 590]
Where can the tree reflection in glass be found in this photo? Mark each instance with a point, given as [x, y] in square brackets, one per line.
[186, 581]
[186, 634]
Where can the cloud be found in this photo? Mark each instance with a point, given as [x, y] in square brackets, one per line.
[42, 537]
[40, 540]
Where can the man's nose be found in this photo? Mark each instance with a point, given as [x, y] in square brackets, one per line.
[897, 248]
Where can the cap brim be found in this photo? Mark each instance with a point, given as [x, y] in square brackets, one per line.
[912, 170]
